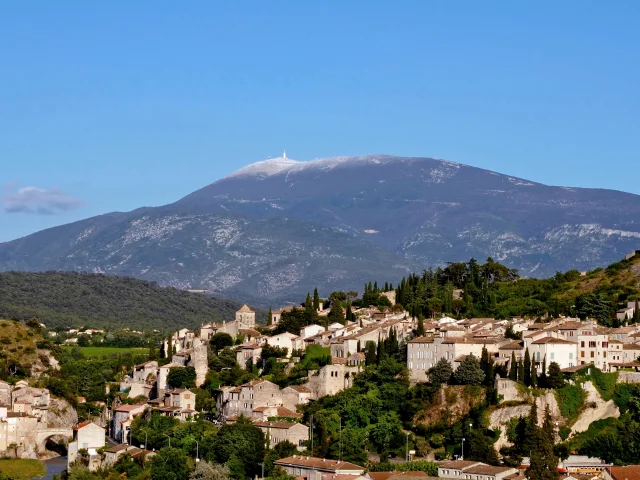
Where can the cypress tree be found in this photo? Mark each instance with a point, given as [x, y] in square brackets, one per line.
[543, 464]
[316, 299]
[375, 287]
[420, 331]
[386, 287]
[370, 353]
[534, 376]
[543, 375]
[270, 317]
[513, 368]
[636, 312]
[520, 371]
[527, 368]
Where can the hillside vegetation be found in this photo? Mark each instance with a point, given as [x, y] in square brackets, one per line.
[68, 299]
[491, 289]
[20, 353]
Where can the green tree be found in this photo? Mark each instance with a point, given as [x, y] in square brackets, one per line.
[544, 463]
[336, 313]
[420, 331]
[520, 371]
[543, 376]
[513, 367]
[370, 357]
[210, 471]
[169, 464]
[270, 317]
[181, 377]
[241, 446]
[527, 368]
[316, 299]
[387, 434]
[221, 340]
[469, 372]
[441, 372]
[533, 375]
[554, 377]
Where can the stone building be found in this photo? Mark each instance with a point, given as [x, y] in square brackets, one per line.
[121, 421]
[311, 466]
[179, 403]
[90, 437]
[331, 379]
[276, 432]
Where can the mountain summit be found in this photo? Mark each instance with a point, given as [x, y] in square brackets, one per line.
[274, 229]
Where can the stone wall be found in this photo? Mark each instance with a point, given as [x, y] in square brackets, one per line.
[628, 377]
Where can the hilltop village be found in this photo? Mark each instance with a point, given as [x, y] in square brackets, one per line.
[342, 387]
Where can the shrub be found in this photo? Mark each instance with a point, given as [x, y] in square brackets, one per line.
[570, 398]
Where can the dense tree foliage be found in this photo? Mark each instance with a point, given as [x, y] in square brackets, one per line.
[67, 299]
[494, 290]
[181, 377]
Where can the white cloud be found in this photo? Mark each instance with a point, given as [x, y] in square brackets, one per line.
[42, 201]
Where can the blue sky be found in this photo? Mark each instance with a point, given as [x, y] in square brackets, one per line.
[118, 105]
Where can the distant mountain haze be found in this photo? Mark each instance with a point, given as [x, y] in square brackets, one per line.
[274, 230]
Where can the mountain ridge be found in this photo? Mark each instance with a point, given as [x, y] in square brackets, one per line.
[275, 229]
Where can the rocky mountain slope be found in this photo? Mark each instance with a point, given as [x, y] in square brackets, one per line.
[275, 229]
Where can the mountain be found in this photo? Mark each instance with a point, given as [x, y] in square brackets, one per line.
[65, 299]
[275, 229]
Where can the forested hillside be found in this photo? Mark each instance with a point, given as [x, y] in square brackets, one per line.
[66, 299]
[481, 290]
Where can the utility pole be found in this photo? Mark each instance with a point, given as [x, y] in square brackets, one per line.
[462, 453]
[197, 452]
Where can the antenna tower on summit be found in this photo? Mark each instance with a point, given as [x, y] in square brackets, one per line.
[284, 154]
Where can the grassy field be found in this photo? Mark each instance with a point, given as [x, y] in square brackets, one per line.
[21, 469]
[105, 351]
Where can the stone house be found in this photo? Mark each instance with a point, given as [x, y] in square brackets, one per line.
[228, 401]
[469, 469]
[34, 401]
[179, 403]
[242, 400]
[276, 432]
[263, 414]
[90, 437]
[294, 395]
[308, 466]
[630, 353]
[286, 340]
[421, 356]
[505, 352]
[17, 431]
[111, 455]
[331, 379]
[311, 330]
[616, 352]
[248, 351]
[121, 421]
[424, 352]
[563, 352]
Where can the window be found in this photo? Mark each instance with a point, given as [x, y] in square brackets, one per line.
[592, 354]
[552, 355]
[570, 356]
[582, 355]
[605, 344]
[592, 344]
[582, 344]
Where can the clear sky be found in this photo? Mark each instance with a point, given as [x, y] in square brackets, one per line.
[115, 105]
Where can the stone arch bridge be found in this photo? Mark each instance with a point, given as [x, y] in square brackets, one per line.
[46, 433]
